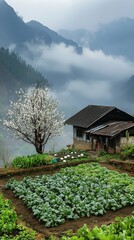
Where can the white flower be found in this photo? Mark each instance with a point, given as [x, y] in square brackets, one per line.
[82, 154]
[65, 157]
[61, 158]
[68, 155]
[64, 160]
[78, 155]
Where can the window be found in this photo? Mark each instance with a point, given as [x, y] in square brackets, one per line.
[79, 133]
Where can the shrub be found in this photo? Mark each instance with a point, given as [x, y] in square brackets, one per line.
[127, 152]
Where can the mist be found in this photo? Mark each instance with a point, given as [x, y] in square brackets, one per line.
[78, 80]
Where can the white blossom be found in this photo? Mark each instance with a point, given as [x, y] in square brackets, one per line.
[34, 118]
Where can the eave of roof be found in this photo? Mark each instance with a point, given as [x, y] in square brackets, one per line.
[111, 129]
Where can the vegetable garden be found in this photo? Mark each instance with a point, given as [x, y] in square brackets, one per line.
[9, 228]
[123, 229]
[74, 192]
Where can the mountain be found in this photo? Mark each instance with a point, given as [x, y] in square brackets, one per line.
[13, 30]
[48, 35]
[15, 74]
[82, 36]
[12, 27]
[115, 38]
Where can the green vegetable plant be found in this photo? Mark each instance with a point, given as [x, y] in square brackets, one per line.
[74, 192]
[31, 161]
[123, 229]
[9, 228]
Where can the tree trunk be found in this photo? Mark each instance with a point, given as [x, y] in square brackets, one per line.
[39, 148]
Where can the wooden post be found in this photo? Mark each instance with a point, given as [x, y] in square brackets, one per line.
[107, 145]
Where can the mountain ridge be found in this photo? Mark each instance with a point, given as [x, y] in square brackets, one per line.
[114, 38]
[15, 31]
[15, 74]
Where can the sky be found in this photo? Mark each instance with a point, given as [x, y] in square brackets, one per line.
[73, 14]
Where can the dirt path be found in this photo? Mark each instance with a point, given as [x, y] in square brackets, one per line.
[28, 219]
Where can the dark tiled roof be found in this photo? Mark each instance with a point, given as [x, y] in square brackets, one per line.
[111, 129]
[87, 116]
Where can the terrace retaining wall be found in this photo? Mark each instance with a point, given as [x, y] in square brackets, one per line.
[124, 165]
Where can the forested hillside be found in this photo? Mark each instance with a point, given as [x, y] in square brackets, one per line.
[14, 74]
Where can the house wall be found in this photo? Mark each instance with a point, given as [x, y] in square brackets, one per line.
[124, 140]
[102, 143]
[81, 142]
[95, 145]
[82, 145]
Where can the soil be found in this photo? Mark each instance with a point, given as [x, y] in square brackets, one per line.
[127, 165]
[29, 220]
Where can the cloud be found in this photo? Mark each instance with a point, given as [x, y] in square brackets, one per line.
[78, 80]
[90, 89]
[90, 65]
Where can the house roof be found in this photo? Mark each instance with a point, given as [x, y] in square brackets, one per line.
[87, 116]
[112, 128]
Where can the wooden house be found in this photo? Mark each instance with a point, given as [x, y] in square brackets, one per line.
[102, 128]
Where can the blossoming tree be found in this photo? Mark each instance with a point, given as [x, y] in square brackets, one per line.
[34, 117]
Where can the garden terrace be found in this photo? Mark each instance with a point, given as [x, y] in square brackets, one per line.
[74, 192]
[28, 218]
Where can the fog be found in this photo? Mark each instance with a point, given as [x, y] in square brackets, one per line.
[78, 80]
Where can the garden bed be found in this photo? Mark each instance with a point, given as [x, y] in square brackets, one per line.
[27, 216]
[8, 172]
[30, 220]
[126, 165]
[69, 224]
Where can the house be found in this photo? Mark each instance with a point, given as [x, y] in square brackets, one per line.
[102, 128]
